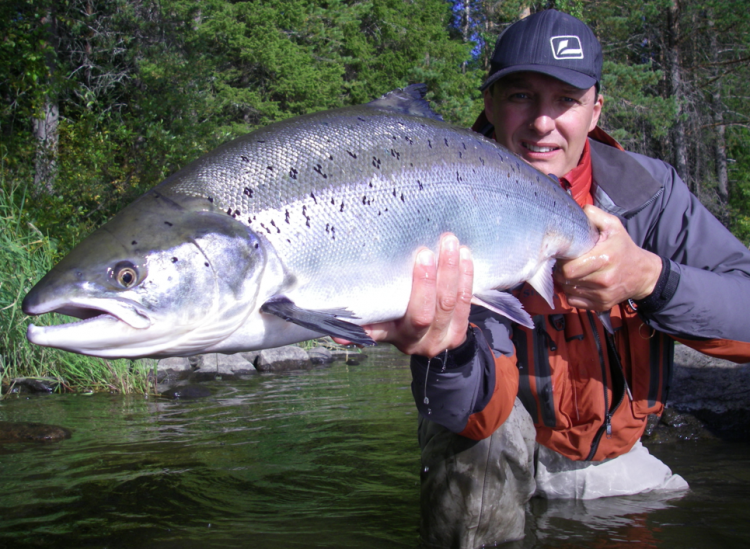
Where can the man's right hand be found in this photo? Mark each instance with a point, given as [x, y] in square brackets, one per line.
[437, 316]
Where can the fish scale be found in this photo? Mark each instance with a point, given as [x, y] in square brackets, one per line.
[336, 204]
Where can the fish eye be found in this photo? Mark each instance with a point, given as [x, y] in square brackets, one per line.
[126, 274]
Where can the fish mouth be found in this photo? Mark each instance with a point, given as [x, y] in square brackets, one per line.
[92, 310]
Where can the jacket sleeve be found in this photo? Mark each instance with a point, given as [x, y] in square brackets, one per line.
[710, 291]
[470, 390]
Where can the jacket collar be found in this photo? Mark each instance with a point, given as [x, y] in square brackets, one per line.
[622, 186]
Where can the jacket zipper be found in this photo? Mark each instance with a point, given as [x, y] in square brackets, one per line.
[608, 411]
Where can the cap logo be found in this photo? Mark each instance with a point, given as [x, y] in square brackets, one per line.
[566, 47]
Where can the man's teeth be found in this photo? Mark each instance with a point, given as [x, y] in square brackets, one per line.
[534, 148]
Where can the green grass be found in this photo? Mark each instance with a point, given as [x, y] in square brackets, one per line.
[25, 256]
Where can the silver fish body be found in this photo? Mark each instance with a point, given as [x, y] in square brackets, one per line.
[307, 226]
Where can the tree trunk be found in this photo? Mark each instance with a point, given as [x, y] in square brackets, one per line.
[720, 143]
[674, 75]
[46, 127]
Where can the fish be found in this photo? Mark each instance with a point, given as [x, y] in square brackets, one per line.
[308, 227]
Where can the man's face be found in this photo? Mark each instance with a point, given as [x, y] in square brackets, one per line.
[542, 119]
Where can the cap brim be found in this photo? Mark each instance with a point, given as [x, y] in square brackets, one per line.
[569, 76]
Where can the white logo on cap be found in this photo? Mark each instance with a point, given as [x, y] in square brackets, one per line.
[566, 47]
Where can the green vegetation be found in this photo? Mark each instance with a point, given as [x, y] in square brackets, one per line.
[101, 101]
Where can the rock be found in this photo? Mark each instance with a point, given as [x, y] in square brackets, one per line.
[28, 385]
[708, 397]
[320, 355]
[251, 356]
[31, 432]
[224, 365]
[278, 359]
[175, 364]
[187, 392]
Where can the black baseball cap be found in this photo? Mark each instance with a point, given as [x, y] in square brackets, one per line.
[548, 42]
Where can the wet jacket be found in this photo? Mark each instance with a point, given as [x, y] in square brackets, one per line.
[588, 391]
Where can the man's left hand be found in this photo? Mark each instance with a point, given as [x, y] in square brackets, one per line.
[615, 270]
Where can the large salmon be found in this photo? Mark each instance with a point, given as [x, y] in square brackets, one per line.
[305, 227]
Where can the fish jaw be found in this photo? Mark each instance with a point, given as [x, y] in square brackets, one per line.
[193, 275]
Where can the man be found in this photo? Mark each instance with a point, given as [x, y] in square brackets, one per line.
[664, 268]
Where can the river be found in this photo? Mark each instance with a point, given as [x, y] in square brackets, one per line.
[323, 458]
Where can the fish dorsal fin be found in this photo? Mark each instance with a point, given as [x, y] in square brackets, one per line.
[409, 100]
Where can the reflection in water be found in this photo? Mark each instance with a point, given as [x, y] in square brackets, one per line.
[323, 458]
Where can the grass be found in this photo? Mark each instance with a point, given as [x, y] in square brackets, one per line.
[25, 256]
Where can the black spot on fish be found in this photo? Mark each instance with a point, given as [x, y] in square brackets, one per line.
[236, 212]
[174, 260]
[364, 199]
[307, 222]
[429, 143]
[361, 119]
[256, 246]
[229, 211]
[460, 154]
[421, 187]
[394, 191]
[318, 168]
[244, 158]
[289, 241]
[481, 160]
[402, 197]
[134, 243]
[248, 192]
[272, 223]
[352, 154]
[376, 162]
[269, 168]
[286, 216]
[260, 141]
[206, 264]
[342, 206]
[327, 229]
[333, 201]
[446, 141]
[371, 184]
[330, 157]
[168, 223]
[395, 154]
[249, 219]
[313, 197]
[464, 144]
[378, 212]
[293, 173]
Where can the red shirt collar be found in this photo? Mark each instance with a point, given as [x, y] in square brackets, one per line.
[578, 180]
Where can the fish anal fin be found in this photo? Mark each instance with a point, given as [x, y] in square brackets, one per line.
[504, 304]
[323, 321]
[543, 283]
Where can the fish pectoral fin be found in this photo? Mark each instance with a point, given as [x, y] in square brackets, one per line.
[542, 282]
[323, 321]
[504, 304]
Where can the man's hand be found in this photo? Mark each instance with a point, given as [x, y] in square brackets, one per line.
[437, 316]
[615, 270]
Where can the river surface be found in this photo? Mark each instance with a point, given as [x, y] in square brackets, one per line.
[324, 458]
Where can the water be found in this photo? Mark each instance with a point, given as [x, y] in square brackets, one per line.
[325, 458]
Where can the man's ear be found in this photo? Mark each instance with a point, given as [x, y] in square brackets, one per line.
[598, 104]
[488, 104]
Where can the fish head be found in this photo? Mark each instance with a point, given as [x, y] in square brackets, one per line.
[167, 276]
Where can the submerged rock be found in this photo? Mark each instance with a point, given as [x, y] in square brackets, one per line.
[187, 392]
[11, 431]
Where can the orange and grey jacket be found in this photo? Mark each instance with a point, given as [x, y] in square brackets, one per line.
[590, 392]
